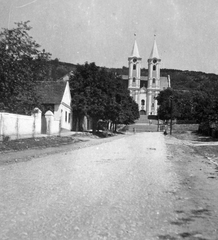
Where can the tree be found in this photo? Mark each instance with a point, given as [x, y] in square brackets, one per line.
[21, 65]
[99, 94]
[176, 103]
[164, 102]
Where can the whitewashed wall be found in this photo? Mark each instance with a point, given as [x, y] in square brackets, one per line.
[18, 126]
[63, 111]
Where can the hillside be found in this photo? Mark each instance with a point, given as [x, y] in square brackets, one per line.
[181, 80]
[184, 80]
[59, 69]
[187, 80]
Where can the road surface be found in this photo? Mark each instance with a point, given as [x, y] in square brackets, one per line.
[122, 189]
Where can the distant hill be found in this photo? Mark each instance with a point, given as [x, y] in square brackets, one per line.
[181, 80]
[187, 80]
[59, 69]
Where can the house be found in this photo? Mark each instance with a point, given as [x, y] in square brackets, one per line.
[55, 96]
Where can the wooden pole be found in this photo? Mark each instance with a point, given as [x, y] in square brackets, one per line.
[171, 114]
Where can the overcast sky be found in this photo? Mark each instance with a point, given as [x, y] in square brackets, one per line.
[102, 31]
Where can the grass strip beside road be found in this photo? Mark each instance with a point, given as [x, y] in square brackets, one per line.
[30, 143]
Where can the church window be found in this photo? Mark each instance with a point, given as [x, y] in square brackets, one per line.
[134, 66]
[154, 67]
[153, 80]
[133, 79]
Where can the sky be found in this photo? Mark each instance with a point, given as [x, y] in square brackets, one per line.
[101, 31]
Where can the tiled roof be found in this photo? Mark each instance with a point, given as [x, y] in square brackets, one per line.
[50, 92]
[144, 81]
[143, 78]
[125, 77]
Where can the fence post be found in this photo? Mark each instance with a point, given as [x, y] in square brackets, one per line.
[37, 115]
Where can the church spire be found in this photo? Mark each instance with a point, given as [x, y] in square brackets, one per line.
[154, 51]
[135, 50]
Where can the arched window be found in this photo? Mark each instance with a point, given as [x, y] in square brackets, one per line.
[134, 66]
[142, 102]
[154, 67]
[153, 80]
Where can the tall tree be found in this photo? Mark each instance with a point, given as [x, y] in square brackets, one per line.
[179, 104]
[98, 94]
[21, 65]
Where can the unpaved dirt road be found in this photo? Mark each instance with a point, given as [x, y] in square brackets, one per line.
[142, 186]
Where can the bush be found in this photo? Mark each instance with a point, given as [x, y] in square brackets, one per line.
[204, 128]
[6, 139]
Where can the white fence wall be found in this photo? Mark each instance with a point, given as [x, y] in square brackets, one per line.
[18, 126]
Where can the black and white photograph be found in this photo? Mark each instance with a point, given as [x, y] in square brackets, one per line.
[108, 120]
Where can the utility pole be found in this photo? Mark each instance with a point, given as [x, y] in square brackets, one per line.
[171, 114]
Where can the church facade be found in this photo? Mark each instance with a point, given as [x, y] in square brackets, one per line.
[144, 89]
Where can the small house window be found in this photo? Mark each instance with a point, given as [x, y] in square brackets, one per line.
[154, 67]
[133, 79]
[65, 116]
[142, 102]
[134, 66]
[68, 117]
[153, 80]
[152, 105]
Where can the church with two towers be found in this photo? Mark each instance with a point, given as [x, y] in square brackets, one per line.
[144, 89]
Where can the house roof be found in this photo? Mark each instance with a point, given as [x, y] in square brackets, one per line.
[125, 77]
[50, 92]
[164, 82]
[143, 78]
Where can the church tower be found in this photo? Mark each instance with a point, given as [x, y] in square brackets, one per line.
[153, 87]
[134, 72]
